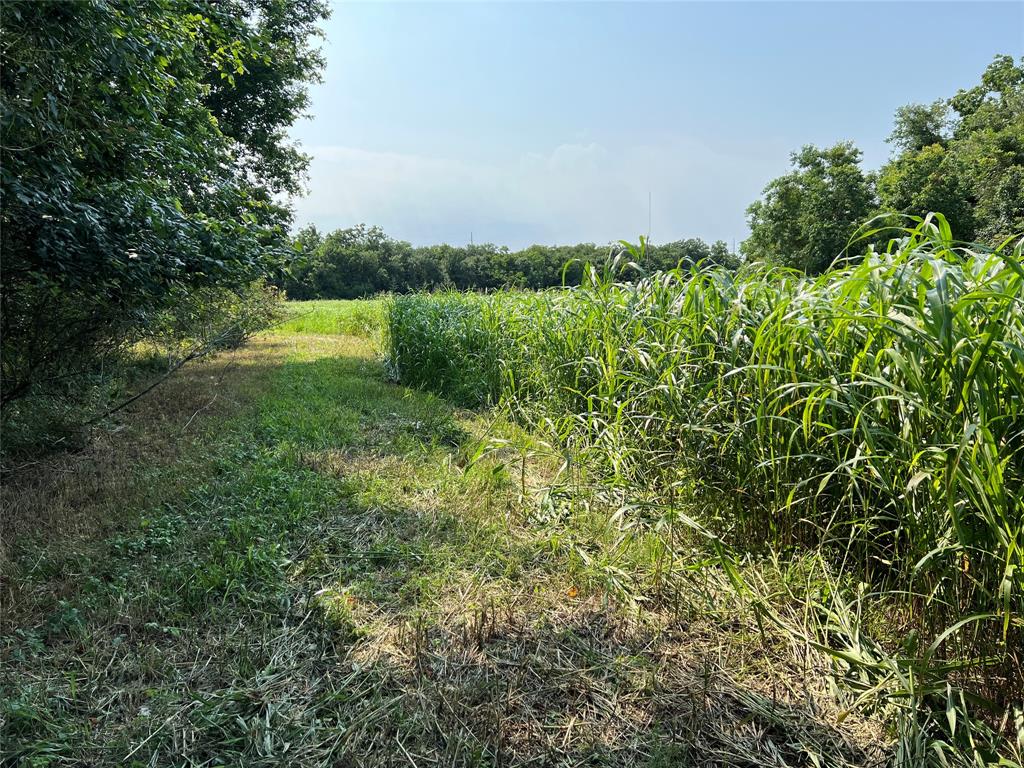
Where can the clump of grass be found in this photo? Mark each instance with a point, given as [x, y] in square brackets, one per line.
[447, 342]
[871, 415]
[357, 317]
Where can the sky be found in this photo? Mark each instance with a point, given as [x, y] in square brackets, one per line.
[558, 123]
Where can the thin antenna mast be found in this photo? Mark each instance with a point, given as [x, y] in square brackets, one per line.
[648, 216]
[648, 245]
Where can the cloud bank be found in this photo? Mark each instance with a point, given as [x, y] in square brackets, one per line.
[575, 192]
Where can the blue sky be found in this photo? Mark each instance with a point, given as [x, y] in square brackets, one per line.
[555, 122]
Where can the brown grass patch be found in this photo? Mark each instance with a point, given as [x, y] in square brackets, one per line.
[84, 495]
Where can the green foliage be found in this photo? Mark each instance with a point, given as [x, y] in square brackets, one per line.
[448, 342]
[143, 144]
[807, 218]
[963, 156]
[215, 317]
[918, 126]
[363, 261]
[871, 414]
[922, 180]
[198, 322]
[970, 166]
[351, 262]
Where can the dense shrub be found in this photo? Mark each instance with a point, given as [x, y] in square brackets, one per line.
[144, 149]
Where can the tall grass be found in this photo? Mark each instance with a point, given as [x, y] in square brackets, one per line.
[448, 342]
[328, 317]
[872, 415]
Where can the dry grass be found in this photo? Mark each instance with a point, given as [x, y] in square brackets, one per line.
[128, 463]
[72, 493]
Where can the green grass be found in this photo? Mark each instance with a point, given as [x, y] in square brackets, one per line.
[338, 574]
[865, 423]
[272, 540]
[360, 317]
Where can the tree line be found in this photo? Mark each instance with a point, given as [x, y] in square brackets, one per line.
[962, 156]
[362, 261]
[144, 160]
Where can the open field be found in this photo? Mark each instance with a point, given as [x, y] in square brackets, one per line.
[360, 317]
[634, 547]
[386, 451]
[281, 559]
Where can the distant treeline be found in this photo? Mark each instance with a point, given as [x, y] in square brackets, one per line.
[962, 156]
[362, 261]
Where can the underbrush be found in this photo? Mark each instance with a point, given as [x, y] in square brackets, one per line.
[88, 384]
[864, 424]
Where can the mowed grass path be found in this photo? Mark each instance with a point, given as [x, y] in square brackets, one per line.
[283, 559]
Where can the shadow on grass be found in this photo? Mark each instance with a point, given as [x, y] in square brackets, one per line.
[337, 590]
[434, 610]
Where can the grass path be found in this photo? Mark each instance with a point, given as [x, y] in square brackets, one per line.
[305, 568]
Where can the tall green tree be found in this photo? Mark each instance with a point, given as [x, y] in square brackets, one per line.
[354, 262]
[143, 153]
[806, 218]
[964, 157]
[361, 261]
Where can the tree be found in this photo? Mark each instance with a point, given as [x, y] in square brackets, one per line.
[361, 261]
[806, 218]
[969, 166]
[143, 149]
[918, 126]
[929, 179]
[296, 280]
[687, 253]
[358, 261]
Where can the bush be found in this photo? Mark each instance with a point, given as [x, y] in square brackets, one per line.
[217, 318]
[144, 148]
[52, 412]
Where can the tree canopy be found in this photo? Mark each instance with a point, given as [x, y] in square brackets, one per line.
[807, 217]
[361, 261]
[965, 157]
[143, 150]
[962, 156]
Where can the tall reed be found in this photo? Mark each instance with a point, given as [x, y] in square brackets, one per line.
[872, 414]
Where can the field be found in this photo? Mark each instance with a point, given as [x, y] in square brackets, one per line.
[280, 487]
[609, 536]
[332, 317]
[279, 557]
